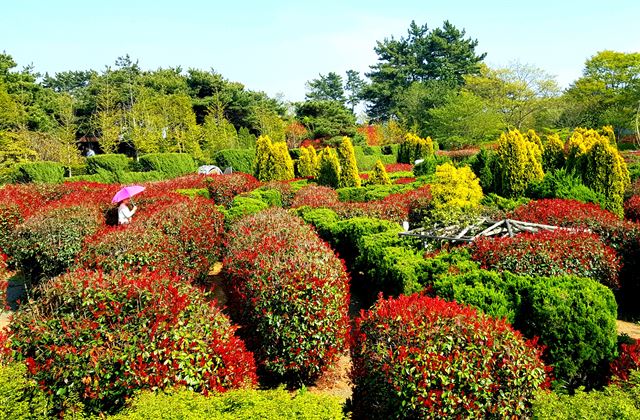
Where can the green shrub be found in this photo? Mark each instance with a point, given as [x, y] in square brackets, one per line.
[426, 167]
[413, 148]
[108, 162]
[194, 192]
[241, 160]
[613, 402]
[138, 177]
[237, 404]
[41, 172]
[519, 163]
[367, 156]
[48, 243]
[349, 175]
[171, 164]
[328, 168]
[379, 175]
[243, 206]
[270, 196]
[307, 163]
[102, 177]
[321, 219]
[20, 398]
[563, 184]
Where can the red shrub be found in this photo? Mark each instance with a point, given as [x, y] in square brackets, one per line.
[421, 357]
[546, 253]
[182, 238]
[315, 196]
[372, 133]
[566, 213]
[376, 209]
[398, 167]
[290, 291]
[101, 337]
[627, 361]
[632, 208]
[222, 188]
[406, 180]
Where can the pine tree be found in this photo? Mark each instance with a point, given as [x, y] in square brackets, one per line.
[379, 175]
[308, 162]
[519, 163]
[329, 168]
[349, 175]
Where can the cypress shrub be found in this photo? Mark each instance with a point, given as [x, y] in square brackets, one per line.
[413, 148]
[379, 175]
[552, 152]
[282, 163]
[519, 163]
[349, 175]
[329, 168]
[307, 162]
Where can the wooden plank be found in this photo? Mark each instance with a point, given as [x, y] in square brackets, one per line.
[493, 226]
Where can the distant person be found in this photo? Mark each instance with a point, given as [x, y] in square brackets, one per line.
[90, 152]
[124, 214]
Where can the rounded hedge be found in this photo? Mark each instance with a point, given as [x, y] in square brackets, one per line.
[289, 291]
[97, 338]
[422, 357]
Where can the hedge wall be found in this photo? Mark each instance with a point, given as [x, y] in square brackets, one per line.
[241, 160]
[171, 164]
[41, 172]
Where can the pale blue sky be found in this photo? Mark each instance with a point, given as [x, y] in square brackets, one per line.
[276, 46]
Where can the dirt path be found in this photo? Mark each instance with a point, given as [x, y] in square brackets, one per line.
[629, 328]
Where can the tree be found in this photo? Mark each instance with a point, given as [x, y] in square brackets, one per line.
[326, 88]
[354, 87]
[349, 175]
[608, 92]
[328, 168]
[65, 134]
[379, 175]
[414, 148]
[218, 133]
[272, 161]
[519, 163]
[326, 118]
[307, 162]
[442, 54]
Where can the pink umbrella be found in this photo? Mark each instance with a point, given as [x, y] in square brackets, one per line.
[127, 192]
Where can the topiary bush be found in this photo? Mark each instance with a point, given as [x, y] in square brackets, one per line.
[97, 338]
[545, 253]
[20, 397]
[108, 162]
[562, 184]
[171, 164]
[290, 293]
[379, 175]
[349, 175]
[413, 148]
[422, 357]
[519, 162]
[455, 192]
[236, 404]
[244, 206]
[241, 160]
[39, 172]
[307, 164]
[315, 196]
[223, 188]
[328, 168]
[48, 243]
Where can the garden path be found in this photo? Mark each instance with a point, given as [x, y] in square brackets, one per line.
[629, 328]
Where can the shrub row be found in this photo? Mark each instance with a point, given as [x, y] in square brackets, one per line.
[575, 318]
[420, 357]
[96, 338]
[289, 292]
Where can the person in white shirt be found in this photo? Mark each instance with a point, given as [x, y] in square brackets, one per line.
[124, 214]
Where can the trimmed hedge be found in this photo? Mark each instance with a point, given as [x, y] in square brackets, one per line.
[95, 339]
[575, 318]
[171, 164]
[420, 357]
[289, 291]
[108, 162]
[243, 206]
[20, 397]
[39, 172]
[367, 156]
[237, 404]
[241, 160]
[105, 177]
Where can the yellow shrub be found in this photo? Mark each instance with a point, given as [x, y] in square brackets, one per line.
[414, 148]
[519, 163]
[308, 162]
[379, 175]
[349, 175]
[455, 191]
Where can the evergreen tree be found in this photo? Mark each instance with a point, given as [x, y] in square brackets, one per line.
[282, 163]
[263, 161]
[329, 168]
[552, 152]
[519, 163]
[308, 162]
[379, 175]
[349, 175]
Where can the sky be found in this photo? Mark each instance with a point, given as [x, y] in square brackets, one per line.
[276, 46]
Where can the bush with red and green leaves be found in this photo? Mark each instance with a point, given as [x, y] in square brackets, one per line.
[632, 208]
[421, 357]
[550, 253]
[289, 292]
[184, 238]
[627, 361]
[315, 196]
[223, 188]
[97, 338]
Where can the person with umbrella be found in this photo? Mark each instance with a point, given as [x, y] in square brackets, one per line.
[123, 199]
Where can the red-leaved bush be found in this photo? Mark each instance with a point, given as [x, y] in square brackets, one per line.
[222, 188]
[398, 167]
[627, 361]
[405, 180]
[183, 238]
[420, 357]
[550, 253]
[632, 208]
[315, 196]
[289, 292]
[99, 338]
[566, 213]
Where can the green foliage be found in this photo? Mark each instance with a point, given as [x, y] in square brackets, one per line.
[326, 118]
[20, 397]
[563, 184]
[241, 160]
[41, 172]
[48, 243]
[426, 167]
[575, 318]
[109, 162]
[329, 168]
[612, 402]
[379, 175]
[272, 161]
[238, 404]
[243, 206]
[455, 191]
[307, 165]
[496, 202]
[171, 164]
[349, 175]
[414, 148]
[194, 192]
[367, 156]
[552, 152]
[519, 163]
